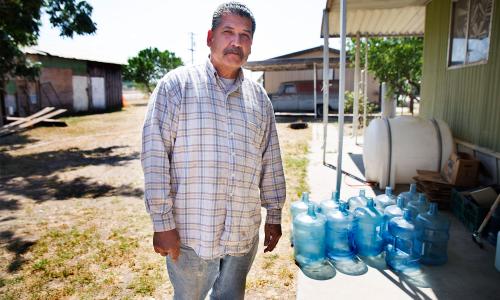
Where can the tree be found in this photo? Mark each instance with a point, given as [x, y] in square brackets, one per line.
[149, 66]
[20, 27]
[396, 61]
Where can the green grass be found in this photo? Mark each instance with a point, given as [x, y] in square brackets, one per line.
[298, 165]
[147, 278]
[72, 262]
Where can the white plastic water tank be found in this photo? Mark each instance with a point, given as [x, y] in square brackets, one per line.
[395, 148]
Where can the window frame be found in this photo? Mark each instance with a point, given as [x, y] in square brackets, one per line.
[450, 28]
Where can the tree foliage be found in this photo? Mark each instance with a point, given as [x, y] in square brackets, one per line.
[397, 62]
[20, 27]
[149, 66]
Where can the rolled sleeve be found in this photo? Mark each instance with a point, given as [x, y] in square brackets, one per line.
[163, 222]
[273, 216]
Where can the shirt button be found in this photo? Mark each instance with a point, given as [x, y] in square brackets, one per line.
[233, 154]
[232, 175]
[231, 195]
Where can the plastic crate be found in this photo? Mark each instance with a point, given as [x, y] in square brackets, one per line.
[466, 210]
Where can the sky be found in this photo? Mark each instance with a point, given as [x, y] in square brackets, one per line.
[124, 27]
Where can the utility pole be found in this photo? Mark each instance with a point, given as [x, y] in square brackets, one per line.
[192, 48]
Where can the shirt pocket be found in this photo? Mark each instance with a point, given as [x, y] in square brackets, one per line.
[254, 134]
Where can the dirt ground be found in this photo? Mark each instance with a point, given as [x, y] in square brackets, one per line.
[72, 217]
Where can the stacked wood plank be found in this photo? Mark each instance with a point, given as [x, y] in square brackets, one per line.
[20, 124]
[435, 187]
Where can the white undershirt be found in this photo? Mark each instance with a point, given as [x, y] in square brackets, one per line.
[228, 83]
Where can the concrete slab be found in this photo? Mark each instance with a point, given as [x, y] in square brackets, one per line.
[469, 274]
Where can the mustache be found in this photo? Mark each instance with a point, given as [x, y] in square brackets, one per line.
[233, 50]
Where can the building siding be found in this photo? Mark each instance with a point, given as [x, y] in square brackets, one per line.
[54, 86]
[78, 67]
[112, 81]
[467, 98]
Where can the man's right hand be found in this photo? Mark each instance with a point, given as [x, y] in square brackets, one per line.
[167, 243]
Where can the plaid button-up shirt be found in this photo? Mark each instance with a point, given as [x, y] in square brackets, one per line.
[211, 159]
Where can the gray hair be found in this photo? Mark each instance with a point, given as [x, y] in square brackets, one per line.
[232, 8]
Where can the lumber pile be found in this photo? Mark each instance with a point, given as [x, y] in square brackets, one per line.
[43, 116]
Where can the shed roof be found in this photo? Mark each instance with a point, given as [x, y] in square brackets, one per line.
[34, 51]
[378, 17]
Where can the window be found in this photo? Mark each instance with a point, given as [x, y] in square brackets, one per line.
[469, 31]
[290, 89]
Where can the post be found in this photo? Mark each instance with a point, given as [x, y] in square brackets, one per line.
[314, 87]
[341, 91]
[388, 103]
[326, 86]
[365, 85]
[355, 108]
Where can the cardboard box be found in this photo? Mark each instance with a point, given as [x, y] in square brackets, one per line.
[461, 169]
[435, 187]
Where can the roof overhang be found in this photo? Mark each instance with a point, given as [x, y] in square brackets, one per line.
[34, 51]
[289, 64]
[372, 18]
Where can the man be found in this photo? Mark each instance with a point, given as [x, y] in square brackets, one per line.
[211, 159]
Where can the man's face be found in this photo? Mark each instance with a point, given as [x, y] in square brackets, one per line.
[230, 44]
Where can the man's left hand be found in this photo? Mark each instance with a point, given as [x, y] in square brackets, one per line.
[272, 234]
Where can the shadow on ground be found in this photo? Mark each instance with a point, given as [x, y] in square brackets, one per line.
[15, 142]
[47, 163]
[138, 104]
[17, 246]
[42, 189]
[35, 175]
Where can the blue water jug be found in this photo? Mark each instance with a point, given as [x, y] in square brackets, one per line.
[357, 201]
[384, 200]
[340, 234]
[400, 255]
[433, 233]
[391, 212]
[419, 206]
[309, 237]
[411, 195]
[300, 206]
[368, 223]
[331, 204]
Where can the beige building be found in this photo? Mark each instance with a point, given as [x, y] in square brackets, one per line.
[298, 66]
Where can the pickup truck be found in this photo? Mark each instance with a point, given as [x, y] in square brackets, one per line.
[298, 96]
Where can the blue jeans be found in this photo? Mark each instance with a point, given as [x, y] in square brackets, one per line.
[193, 277]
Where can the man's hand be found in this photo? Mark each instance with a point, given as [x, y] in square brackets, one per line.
[167, 243]
[272, 234]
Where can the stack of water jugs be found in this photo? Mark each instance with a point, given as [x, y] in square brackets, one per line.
[408, 228]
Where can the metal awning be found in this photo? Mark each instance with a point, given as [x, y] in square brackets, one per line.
[287, 64]
[378, 17]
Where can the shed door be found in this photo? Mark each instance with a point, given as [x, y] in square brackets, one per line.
[98, 95]
[80, 96]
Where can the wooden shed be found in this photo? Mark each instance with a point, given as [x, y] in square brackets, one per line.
[77, 85]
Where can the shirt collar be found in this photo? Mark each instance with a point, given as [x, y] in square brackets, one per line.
[212, 72]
